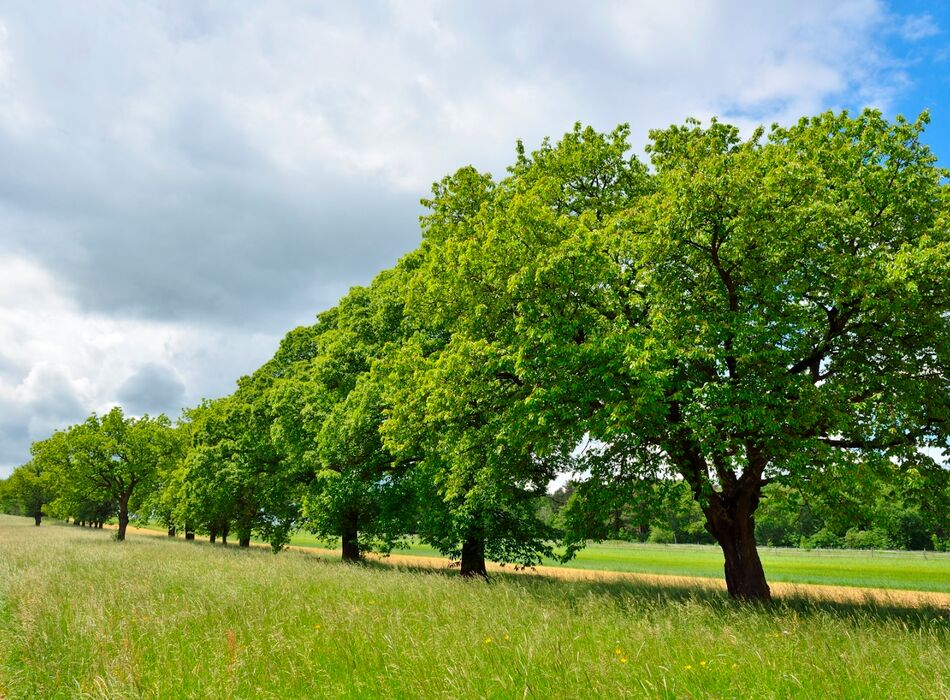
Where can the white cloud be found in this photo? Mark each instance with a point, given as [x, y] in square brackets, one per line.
[59, 363]
[916, 27]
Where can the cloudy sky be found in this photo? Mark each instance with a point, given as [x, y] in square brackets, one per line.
[183, 182]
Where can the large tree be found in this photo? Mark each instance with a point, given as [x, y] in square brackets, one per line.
[750, 310]
[328, 405]
[456, 402]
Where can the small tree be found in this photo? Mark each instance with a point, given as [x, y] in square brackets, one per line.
[112, 458]
[29, 488]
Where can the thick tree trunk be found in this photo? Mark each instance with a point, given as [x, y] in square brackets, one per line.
[123, 518]
[473, 556]
[37, 519]
[731, 520]
[189, 533]
[212, 534]
[224, 534]
[244, 527]
[172, 531]
[100, 524]
[350, 535]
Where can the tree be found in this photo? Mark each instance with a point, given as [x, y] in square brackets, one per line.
[29, 489]
[161, 503]
[112, 459]
[229, 472]
[329, 404]
[750, 311]
[456, 403]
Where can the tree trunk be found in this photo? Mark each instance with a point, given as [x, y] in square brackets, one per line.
[244, 534]
[37, 519]
[224, 533]
[243, 527]
[350, 535]
[731, 520]
[189, 533]
[123, 518]
[473, 556]
[212, 534]
[172, 531]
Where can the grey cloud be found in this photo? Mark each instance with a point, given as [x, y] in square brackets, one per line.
[152, 389]
[241, 167]
[44, 401]
[14, 445]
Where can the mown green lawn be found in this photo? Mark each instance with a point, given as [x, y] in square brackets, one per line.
[920, 571]
[82, 616]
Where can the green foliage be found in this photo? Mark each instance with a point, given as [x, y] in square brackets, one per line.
[27, 491]
[106, 465]
[751, 311]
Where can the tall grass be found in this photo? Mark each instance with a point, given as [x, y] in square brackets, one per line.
[83, 616]
[915, 571]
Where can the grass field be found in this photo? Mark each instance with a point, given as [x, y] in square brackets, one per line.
[83, 616]
[917, 571]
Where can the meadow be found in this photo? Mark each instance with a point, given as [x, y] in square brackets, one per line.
[915, 571]
[82, 616]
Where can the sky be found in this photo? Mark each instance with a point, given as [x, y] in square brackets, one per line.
[182, 182]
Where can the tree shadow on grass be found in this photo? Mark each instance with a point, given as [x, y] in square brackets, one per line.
[641, 597]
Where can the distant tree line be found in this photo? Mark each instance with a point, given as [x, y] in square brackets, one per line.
[885, 516]
[747, 340]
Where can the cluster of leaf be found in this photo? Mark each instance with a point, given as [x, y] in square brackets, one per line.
[739, 313]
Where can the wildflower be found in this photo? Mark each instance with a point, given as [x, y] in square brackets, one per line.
[487, 640]
[507, 637]
[702, 663]
[617, 651]
[316, 627]
[688, 667]
[623, 659]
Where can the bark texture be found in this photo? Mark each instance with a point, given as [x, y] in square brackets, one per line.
[731, 520]
[350, 536]
[473, 557]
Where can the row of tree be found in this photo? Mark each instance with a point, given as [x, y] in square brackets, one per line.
[741, 313]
